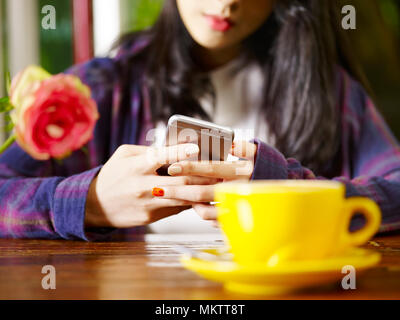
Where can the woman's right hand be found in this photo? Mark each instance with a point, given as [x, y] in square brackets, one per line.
[121, 195]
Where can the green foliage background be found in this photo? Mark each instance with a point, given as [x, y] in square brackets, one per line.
[139, 14]
[56, 46]
[376, 44]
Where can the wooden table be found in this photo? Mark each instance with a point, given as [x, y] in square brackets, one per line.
[146, 267]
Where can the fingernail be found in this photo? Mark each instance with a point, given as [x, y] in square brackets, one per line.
[192, 150]
[158, 192]
[173, 170]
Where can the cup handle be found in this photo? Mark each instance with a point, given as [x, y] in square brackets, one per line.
[370, 210]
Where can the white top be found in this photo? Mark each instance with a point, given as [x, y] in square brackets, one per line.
[237, 105]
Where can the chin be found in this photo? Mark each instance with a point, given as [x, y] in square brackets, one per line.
[213, 42]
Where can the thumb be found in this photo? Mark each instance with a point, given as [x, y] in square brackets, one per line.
[244, 149]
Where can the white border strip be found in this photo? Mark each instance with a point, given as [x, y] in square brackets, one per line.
[106, 25]
[23, 37]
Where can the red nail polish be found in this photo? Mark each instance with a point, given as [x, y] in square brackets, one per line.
[158, 192]
[233, 145]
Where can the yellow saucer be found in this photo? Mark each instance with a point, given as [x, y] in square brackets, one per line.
[281, 279]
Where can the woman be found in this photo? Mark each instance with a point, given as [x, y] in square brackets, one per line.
[275, 67]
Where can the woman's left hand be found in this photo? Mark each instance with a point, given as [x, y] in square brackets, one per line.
[223, 170]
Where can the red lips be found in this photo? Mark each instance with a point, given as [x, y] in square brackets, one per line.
[218, 23]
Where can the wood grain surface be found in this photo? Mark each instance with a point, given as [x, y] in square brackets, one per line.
[147, 267]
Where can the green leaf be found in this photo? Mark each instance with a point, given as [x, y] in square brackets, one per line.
[85, 150]
[7, 144]
[5, 108]
[60, 162]
[5, 105]
[9, 127]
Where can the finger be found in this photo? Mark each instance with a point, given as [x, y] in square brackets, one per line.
[147, 190]
[157, 157]
[215, 169]
[187, 193]
[127, 150]
[244, 149]
[187, 180]
[168, 203]
[206, 212]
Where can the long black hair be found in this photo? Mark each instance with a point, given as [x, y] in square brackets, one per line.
[299, 48]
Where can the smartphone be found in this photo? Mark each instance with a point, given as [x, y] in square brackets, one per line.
[214, 141]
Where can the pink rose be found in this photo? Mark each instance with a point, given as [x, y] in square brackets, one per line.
[53, 115]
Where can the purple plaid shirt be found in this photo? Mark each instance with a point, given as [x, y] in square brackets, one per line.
[46, 199]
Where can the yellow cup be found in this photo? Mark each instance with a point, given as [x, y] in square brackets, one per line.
[278, 221]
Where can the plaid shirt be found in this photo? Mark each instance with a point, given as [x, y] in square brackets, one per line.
[46, 199]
